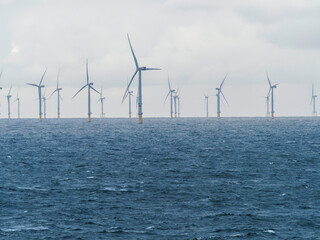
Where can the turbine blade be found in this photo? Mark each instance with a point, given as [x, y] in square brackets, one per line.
[268, 79]
[31, 84]
[58, 78]
[10, 90]
[127, 90]
[1, 73]
[53, 92]
[167, 97]
[224, 97]
[169, 84]
[223, 81]
[94, 89]
[61, 98]
[42, 77]
[153, 69]
[134, 56]
[87, 72]
[80, 90]
[269, 92]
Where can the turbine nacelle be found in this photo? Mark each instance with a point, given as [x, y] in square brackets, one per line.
[42, 86]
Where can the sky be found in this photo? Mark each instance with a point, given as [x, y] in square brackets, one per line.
[194, 42]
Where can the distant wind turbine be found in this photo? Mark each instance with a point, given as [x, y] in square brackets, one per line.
[178, 98]
[267, 104]
[89, 85]
[175, 97]
[18, 100]
[313, 101]
[171, 91]
[44, 98]
[271, 91]
[39, 93]
[138, 70]
[101, 99]
[130, 94]
[58, 89]
[206, 98]
[219, 89]
[8, 98]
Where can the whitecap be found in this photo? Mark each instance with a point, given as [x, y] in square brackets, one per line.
[24, 228]
[269, 231]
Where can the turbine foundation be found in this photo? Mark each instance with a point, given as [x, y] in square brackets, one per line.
[140, 118]
[218, 115]
[272, 115]
[129, 115]
[89, 117]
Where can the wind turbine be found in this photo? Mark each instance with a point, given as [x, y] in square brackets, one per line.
[171, 91]
[267, 104]
[313, 101]
[101, 99]
[175, 104]
[206, 98]
[271, 91]
[58, 91]
[219, 89]
[89, 85]
[18, 100]
[39, 93]
[138, 70]
[44, 104]
[178, 106]
[8, 98]
[130, 94]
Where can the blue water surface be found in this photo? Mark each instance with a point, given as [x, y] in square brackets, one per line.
[188, 178]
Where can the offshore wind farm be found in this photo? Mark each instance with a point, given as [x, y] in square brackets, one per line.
[159, 119]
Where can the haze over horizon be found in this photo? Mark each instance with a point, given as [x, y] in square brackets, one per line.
[194, 42]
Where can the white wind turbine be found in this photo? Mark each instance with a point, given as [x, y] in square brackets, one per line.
[219, 89]
[138, 70]
[9, 105]
[313, 101]
[271, 91]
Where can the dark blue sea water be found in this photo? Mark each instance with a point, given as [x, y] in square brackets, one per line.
[233, 178]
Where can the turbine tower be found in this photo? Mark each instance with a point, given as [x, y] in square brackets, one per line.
[313, 101]
[8, 98]
[219, 89]
[44, 104]
[39, 93]
[89, 85]
[271, 91]
[138, 70]
[18, 100]
[58, 92]
[101, 99]
[171, 91]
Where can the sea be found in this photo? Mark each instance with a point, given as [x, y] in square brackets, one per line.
[186, 178]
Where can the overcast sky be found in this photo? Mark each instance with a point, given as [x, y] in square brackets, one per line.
[195, 42]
